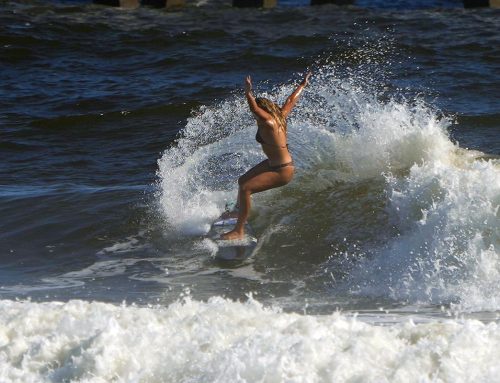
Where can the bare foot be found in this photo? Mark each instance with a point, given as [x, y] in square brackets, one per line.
[231, 235]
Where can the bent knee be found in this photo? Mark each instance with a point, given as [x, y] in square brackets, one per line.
[287, 176]
[245, 187]
[284, 182]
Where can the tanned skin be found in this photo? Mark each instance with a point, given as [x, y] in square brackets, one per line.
[261, 177]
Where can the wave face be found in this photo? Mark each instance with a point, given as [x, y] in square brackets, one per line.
[226, 341]
[446, 211]
[401, 210]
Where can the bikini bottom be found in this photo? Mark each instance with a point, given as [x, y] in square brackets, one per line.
[278, 167]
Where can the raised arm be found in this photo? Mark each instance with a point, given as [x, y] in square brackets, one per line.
[258, 112]
[294, 97]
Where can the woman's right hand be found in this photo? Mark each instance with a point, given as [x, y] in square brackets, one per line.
[248, 84]
[305, 81]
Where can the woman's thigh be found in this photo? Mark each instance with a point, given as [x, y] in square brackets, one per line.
[268, 180]
[261, 167]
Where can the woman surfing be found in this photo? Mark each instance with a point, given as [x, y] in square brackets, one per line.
[278, 169]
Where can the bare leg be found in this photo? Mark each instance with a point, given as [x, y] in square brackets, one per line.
[245, 204]
[260, 182]
[261, 167]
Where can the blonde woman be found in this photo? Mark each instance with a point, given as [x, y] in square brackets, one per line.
[277, 170]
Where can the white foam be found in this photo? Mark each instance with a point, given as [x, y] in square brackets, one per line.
[447, 211]
[225, 341]
[207, 244]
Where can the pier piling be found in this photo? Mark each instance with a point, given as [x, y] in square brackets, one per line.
[481, 3]
[131, 4]
[128, 4]
[336, 2]
[163, 3]
[255, 3]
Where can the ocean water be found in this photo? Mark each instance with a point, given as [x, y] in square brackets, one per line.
[123, 133]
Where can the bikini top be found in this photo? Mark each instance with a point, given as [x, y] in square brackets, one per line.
[259, 139]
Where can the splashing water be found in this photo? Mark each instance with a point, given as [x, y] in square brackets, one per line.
[330, 128]
[441, 227]
[447, 251]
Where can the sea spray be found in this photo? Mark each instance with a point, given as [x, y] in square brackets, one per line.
[338, 124]
[197, 172]
[226, 341]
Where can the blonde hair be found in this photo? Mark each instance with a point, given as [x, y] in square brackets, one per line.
[273, 109]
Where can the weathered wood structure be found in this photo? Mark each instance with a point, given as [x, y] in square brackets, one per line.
[337, 2]
[481, 3]
[131, 4]
[255, 3]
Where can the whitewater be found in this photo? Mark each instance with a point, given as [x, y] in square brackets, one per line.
[227, 341]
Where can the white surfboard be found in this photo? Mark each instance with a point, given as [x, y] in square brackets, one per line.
[236, 249]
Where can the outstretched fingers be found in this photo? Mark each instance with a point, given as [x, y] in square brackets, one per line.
[248, 84]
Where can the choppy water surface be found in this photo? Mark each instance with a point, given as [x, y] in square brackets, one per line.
[123, 134]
